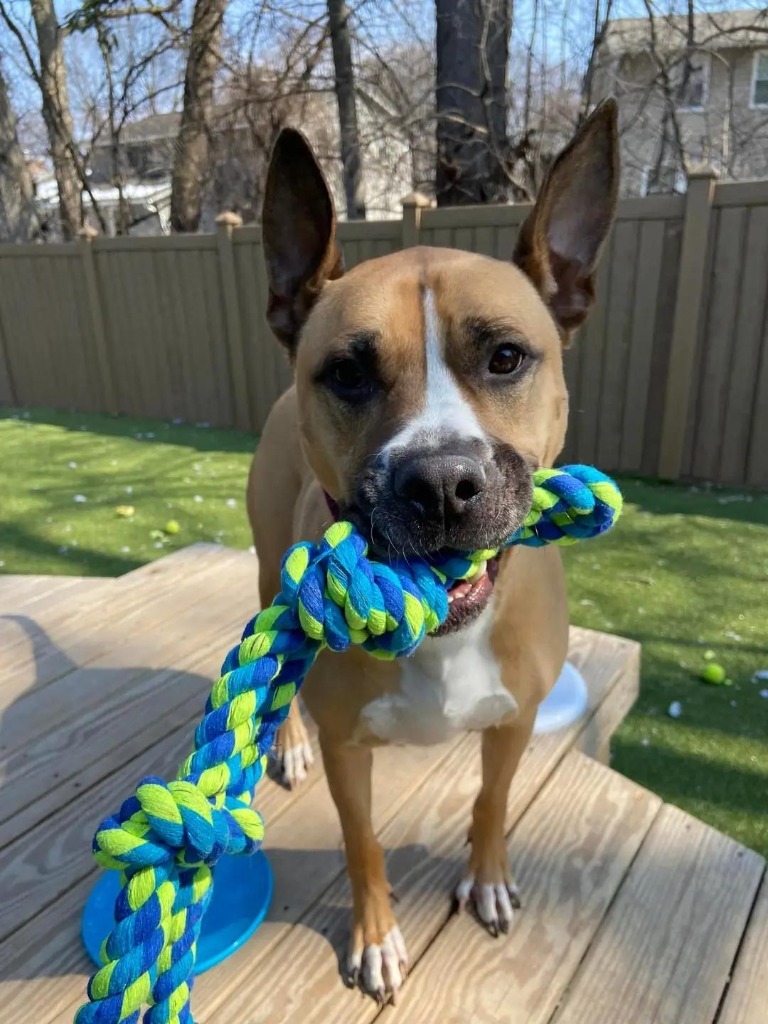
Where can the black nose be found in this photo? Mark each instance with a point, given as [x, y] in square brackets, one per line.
[438, 487]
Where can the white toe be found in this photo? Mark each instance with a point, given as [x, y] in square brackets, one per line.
[485, 901]
[373, 979]
[503, 904]
[296, 763]
[464, 891]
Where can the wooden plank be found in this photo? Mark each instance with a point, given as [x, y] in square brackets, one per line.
[742, 193]
[745, 1000]
[618, 331]
[744, 351]
[665, 948]
[96, 718]
[474, 216]
[464, 238]
[426, 847]
[302, 827]
[148, 243]
[585, 406]
[650, 268]
[68, 637]
[651, 208]
[109, 396]
[663, 319]
[485, 240]
[571, 851]
[678, 392]
[43, 968]
[757, 456]
[19, 593]
[720, 336]
[233, 323]
[506, 239]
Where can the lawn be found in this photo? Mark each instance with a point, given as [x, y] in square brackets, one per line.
[686, 572]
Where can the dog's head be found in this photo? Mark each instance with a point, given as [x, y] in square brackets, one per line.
[430, 382]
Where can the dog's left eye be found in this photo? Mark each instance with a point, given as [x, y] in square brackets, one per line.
[506, 359]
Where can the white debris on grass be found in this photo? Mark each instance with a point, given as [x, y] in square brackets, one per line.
[761, 676]
[675, 709]
[231, 503]
[80, 499]
[764, 693]
[72, 465]
[129, 489]
[198, 498]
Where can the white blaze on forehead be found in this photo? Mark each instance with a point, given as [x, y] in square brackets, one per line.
[445, 408]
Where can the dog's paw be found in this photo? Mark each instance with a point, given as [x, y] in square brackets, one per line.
[294, 753]
[378, 968]
[494, 903]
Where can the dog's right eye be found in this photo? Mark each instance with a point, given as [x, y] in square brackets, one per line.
[347, 379]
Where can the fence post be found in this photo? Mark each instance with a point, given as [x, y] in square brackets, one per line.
[413, 204]
[225, 225]
[86, 235]
[685, 326]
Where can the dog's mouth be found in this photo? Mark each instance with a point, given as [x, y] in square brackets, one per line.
[468, 599]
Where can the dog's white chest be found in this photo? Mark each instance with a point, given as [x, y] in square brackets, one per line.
[450, 685]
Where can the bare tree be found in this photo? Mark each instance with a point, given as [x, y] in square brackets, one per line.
[17, 209]
[351, 158]
[57, 115]
[191, 167]
[472, 100]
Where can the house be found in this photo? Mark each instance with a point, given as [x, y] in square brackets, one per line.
[243, 131]
[689, 92]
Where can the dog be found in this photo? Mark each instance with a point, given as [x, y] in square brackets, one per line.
[428, 385]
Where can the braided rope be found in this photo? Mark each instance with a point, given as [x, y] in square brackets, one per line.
[168, 836]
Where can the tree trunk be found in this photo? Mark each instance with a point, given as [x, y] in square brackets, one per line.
[471, 92]
[191, 165]
[57, 116]
[17, 195]
[351, 158]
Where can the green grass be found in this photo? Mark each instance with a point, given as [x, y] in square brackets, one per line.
[686, 571]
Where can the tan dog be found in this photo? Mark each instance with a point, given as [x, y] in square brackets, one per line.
[428, 386]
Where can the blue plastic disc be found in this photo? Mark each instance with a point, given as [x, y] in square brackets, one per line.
[242, 893]
[565, 703]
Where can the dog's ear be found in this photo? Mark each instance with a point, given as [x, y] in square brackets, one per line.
[299, 235]
[560, 242]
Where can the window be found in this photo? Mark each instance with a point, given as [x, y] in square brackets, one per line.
[760, 80]
[666, 178]
[690, 80]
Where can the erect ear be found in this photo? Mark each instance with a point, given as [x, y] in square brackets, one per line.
[559, 244]
[298, 231]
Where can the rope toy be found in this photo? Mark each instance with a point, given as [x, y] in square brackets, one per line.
[168, 836]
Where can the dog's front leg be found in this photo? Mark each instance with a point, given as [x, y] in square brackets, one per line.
[377, 958]
[488, 881]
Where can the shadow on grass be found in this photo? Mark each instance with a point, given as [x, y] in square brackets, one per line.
[85, 560]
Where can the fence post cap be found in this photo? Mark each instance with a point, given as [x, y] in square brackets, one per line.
[87, 233]
[229, 219]
[699, 171]
[418, 200]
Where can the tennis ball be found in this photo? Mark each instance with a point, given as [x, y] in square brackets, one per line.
[172, 527]
[713, 673]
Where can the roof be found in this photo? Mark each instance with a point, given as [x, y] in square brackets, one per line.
[719, 30]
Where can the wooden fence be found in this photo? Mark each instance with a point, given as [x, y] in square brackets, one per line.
[669, 377]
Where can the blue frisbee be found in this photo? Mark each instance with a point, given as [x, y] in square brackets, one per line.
[241, 897]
